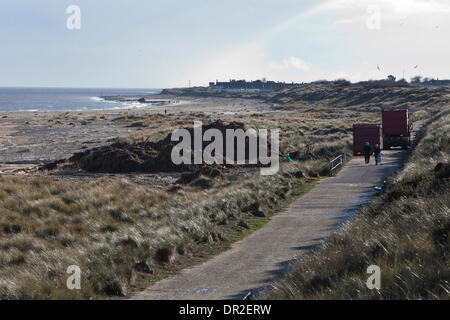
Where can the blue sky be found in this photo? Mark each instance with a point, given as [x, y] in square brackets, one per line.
[137, 43]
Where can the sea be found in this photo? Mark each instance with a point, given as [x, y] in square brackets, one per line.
[67, 99]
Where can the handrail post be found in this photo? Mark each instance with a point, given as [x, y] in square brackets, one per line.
[339, 158]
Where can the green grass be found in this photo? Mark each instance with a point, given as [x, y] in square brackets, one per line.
[252, 224]
[154, 278]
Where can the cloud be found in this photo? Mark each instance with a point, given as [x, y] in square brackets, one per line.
[408, 35]
[413, 7]
[395, 34]
[291, 62]
[390, 9]
[248, 62]
[344, 21]
[357, 10]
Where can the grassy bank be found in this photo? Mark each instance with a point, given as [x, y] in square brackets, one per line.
[404, 231]
[124, 235]
[339, 94]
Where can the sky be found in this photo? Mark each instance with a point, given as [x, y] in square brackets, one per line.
[160, 44]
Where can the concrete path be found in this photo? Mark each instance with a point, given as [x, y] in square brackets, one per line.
[265, 255]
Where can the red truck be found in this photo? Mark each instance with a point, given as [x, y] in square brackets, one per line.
[396, 128]
[363, 133]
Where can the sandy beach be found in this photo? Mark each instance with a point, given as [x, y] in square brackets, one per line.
[28, 139]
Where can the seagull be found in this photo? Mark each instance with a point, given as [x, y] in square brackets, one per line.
[378, 67]
[416, 66]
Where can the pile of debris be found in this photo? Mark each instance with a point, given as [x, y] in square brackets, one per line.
[145, 156]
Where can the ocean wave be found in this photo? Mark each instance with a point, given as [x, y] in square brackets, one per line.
[122, 106]
[67, 100]
[25, 110]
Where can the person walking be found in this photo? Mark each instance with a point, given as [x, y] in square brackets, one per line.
[377, 154]
[367, 152]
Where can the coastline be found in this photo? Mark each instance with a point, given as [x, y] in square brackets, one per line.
[28, 139]
[67, 99]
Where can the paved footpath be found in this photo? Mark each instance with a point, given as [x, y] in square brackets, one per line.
[265, 255]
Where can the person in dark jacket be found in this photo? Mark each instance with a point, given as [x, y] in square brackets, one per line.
[377, 154]
[367, 152]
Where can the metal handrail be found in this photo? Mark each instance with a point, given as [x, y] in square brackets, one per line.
[338, 161]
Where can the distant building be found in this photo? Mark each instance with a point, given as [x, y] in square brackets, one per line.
[437, 82]
[428, 82]
[252, 86]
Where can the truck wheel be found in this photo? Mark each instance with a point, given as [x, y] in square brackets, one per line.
[405, 142]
